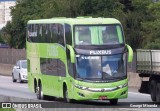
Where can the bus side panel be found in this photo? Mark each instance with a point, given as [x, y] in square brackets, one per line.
[33, 65]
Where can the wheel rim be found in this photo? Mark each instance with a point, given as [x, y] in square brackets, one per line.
[39, 92]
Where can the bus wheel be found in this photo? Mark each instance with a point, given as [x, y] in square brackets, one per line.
[65, 94]
[39, 92]
[158, 92]
[153, 86]
[113, 101]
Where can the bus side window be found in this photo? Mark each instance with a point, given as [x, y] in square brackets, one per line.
[44, 33]
[40, 33]
[30, 31]
[61, 68]
[68, 34]
[54, 32]
[36, 38]
[60, 34]
[47, 36]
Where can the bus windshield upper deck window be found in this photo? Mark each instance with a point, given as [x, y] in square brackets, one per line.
[83, 35]
[110, 35]
[98, 34]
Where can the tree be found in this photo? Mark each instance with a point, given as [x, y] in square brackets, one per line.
[152, 27]
[133, 24]
[6, 34]
[1, 40]
[135, 16]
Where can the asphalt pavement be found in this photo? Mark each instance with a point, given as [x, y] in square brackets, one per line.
[8, 88]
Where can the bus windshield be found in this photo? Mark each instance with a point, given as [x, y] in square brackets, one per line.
[100, 67]
[98, 34]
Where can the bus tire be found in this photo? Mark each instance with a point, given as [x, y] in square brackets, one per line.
[39, 92]
[113, 101]
[158, 92]
[35, 86]
[153, 86]
[13, 79]
[65, 95]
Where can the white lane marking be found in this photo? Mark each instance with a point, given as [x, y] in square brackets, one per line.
[23, 87]
[139, 93]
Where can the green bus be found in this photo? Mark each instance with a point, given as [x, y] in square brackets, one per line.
[78, 58]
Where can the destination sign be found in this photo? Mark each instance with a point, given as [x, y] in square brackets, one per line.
[100, 52]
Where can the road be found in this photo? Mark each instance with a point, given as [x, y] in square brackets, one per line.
[8, 88]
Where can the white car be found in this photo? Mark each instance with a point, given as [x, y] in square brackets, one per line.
[20, 71]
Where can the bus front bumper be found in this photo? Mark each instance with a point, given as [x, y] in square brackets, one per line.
[82, 94]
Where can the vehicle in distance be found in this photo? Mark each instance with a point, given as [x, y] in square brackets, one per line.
[148, 68]
[20, 71]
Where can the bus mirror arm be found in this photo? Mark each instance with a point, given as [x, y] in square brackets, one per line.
[72, 53]
[130, 53]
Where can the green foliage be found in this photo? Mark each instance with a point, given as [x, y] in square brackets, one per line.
[134, 21]
[140, 20]
[1, 40]
[152, 27]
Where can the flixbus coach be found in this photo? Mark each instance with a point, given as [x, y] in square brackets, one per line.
[78, 58]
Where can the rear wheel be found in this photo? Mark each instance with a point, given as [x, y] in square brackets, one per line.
[39, 92]
[113, 101]
[153, 86]
[158, 92]
[13, 79]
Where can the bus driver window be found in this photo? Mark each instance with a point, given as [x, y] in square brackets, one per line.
[110, 35]
[84, 35]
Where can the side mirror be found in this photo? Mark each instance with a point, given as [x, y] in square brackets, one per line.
[130, 53]
[72, 53]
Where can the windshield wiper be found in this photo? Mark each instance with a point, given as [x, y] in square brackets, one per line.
[80, 79]
[84, 79]
[114, 78]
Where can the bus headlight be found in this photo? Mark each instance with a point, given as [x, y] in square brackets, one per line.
[101, 89]
[80, 87]
[122, 86]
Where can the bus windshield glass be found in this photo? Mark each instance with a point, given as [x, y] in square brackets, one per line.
[100, 67]
[98, 34]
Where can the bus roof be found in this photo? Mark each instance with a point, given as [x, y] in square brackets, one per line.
[78, 20]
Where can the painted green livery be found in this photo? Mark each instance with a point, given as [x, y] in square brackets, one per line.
[78, 58]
